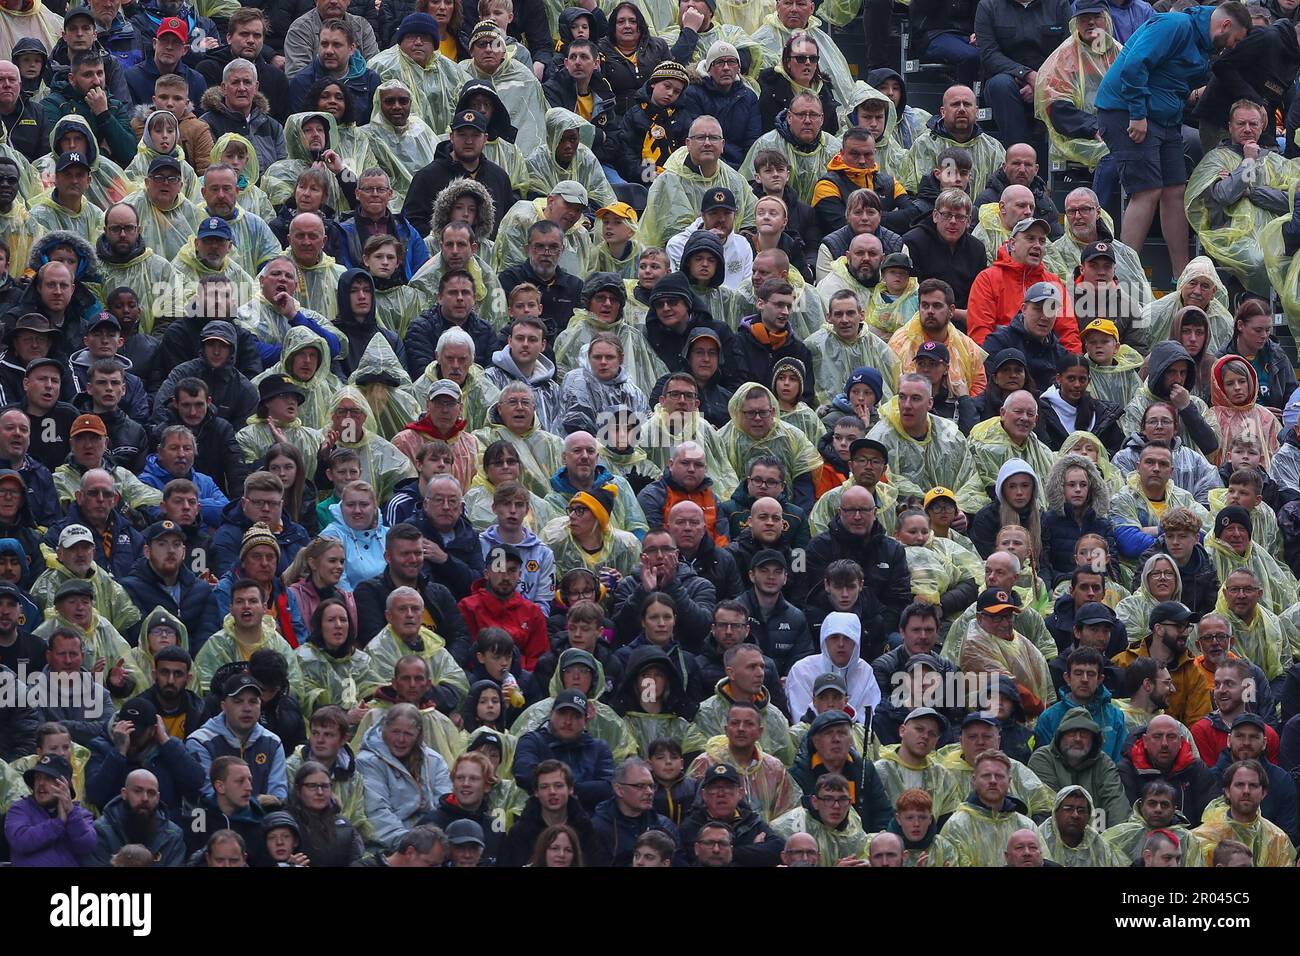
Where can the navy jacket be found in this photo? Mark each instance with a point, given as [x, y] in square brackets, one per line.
[736, 111]
[421, 339]
[197, 609]
[141, 78]
[361, 89]
[224, 552]
[127, 542]
[179, 775]
[464, 564]
[589, 759]
[1279, 806]
[1061, 531]
[616, 833]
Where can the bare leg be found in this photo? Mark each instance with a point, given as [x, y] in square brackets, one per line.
[1173, 223]
[1139, 212]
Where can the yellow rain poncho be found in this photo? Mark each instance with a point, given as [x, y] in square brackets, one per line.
[1158, 315]
[619, 550]
[50, 216]
[741, 37]
[640, 362]
[1283, 270]
[607, 725]
[1025, 785]
[540, 452]
[279, 181]
[339, 681]
[835, 359]
[886, 313]
[154, 279]
[1134, 611]
[1093, 850]
[256, 437]
[773, 35]
[318, 287]
[489, 298]
[897, 775]
[353, 146]
[663, 430]
[397, 305]
[100, 642]
[769, 789]
[807, 162]
[394, 405]
[138, 168]
[833, 844]
[37, 22]
[1267, 640]
[224, 648]
[386, 649]
[990, 448]
[828, 506]
[1127, 838]
[674, 199]
[1263, 523]
[711, 719]
[382, 465]
[166, 231]
[1071, 75]
[263, 319]
[1268, 842]
[890, 151]
[1075, 441]
[804, 419]
[738, 13]
[145, 660]
[1116, 383]
[135, 493]
[512, 237]
[108, 183]
[189, 269]
[1018, 658]
[977, 836]
[603, 260]
[1028, 622]
[523, 97]
[478, 506]
[478, 393]
[1230, 231]
[990, 231]
[433, 87]
[255, 243]
[916, 466]
[986, 154]
[400, 153]
[838, 278]
[79, 756]
[12, 788]
[1275, 578]
[111, 599]
[251, 197]
[20, 231]
[796, 453]
[940, 565]
[544, 171]
[966, 359]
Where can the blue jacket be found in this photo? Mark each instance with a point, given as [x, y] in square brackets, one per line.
[167, 843]
[616, 834]
[141, 77]
[1061, 531]
[212, 501]
[263, 753]
[590, 760]
[128, 544]
[224, 552]
[361, 87]
[464, 564]
[1126, 18]
[197, 608]
[417, 253]
[1280, 805]
[735, 110]
[1108, 717]
[363, 550]
[42, 499]
[1159, 66]
[179, 775]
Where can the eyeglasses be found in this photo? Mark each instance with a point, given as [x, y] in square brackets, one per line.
[834, 801]
[859, 460]
[638, 786]
[372, 190]
[576, 596]
[129, 227]
[170, 180]
[705, 138]
[953, 216]
[757, 414]
[577, 509]
[728, 626]
[1161, 574]
[857, 511]
[318, 787]
[807, 115]
[1243, 590]
[805, 57]
[1166, 422]
[682, 396]
[1079, 210]
[766, 482]
[726, 61]
[713, 844]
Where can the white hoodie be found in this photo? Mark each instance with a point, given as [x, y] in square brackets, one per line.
[864, 693]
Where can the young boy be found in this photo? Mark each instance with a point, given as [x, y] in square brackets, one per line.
[236, 155]
[1246, 452]
[344, 466]
[893, 305]
[952, 170]
[1114, 366]
[674, 791]
[136, 346]
[1246, 490]
[31, 58]
[396, 300]
[654, 126]
[524, 301]
[510, 504]
[103, 340]
[497, 659]
[502, 13]
[788, 384]
[584, 630]
[618, 250]
[834, 448]
[171, 93]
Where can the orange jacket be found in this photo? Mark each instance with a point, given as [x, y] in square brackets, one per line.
[998, 293]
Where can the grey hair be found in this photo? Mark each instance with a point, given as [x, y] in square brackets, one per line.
[1006, 402]
[1014, 559]
[630, 764]
[916, 378]
[687, 446]
[401, 592]
[454, 336]
[238, 65]
[423, 838]
[1083, 191]
[442, 480]
[518, 388]
[1216, 616]
[406, 712]
[96, 473]
[171, 431]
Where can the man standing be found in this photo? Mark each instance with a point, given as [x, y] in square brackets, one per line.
[1140, 114]
[1014, 39]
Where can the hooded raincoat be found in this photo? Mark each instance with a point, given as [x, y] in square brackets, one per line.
[783, 441]
[834, 360]
[1282, 267]
[641, 366]
[343, 680]
[711, 720]
[522, 95]
[607, 725]
[941, 458]
[1158, 315]
[111, 599]
[1126, 839]
[383, 381]
[544, 170]
[224, 647]
[1092, 850]
[386, 649]
[986, 153]
[1025, 785]
[320, 388]
[400, 153]
[146, 153]
[864, 692]
[433, 86]
[674, 199]
[279, 181]
[251, 198]
[108, 182]
[382, 465]
[1066, 89]
[1248, 419]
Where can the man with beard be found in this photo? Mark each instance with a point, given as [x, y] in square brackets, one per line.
[858, 270]
[136, 816]
[1154, 811]
[1161, 753]
[1074, 757]
[49, 828]
[178, 707]
[1170, 624]
[1245, 787]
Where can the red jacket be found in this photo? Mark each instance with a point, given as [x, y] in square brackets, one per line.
[519, 617]
[998, 293]
[1211, 736]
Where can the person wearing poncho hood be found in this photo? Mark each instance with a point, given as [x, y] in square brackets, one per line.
[759, 430]
[603, 301]
[567, 155]
[799, 133]
[413, 58]
[382, 380]
[1237, 816]
[351, 425]
[402, 143]
[481, 95]
[443, 420]
[1171, 377]
[463, 156]
[1069, 835]
[492, 59]
[955, 125]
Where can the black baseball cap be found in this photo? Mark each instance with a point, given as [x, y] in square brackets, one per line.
[863, 444]
[721, 772]
[769, 556]
[571, 699]
[164, 162]
[241, 681]
[1097, 250]
[1172, 612]
[1094, 612]
[469, 119]
[140, 711]
[995, 601]
[979, 717]
[720, 198]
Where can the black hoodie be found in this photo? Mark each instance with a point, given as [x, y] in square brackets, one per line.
[360, 331]
[1192, 427]
[670, 344]
[499, 126]
[775, 93]
[627, 698]
[1261, 68]
[433, 178]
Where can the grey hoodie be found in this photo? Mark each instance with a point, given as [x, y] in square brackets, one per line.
[546, 390]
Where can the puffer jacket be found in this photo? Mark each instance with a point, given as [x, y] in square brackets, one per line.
[259, 128]
[1062, 529]
[695, 599]
[883, 561]
[395, 801]
[1195, 785]
[736, 111]
[422, 337]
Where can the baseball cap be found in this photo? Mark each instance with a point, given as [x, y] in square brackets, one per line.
[469, 119]
[221, 331]
[995, 601]
[444, 386]
[1104, 326]
[572, 699]
[241, 681]
[1008, 355]
[868, 444]
[74, 587]
[103, 318]
[10, 590]
[1172, 612]
[1029, 223]
[164, 162]
[464, 833]
[937, 492]
[44, 361]
[1042, 292]
[507, 551]
[87, 424]
[80, 10]
[1097, 250]
[828, 681]
[176, 27]
[620, 209]
[720, 198]
[1094, 612]
[570, 191]
[721, 772]
[769, 556]
[214, 227]
[160, 528]
[918, 712]
[935, 351]
[485, 737]
[71, 158]
[75, 534]
[979, 717]
[702, 332]
[1252, 719]
[140, 711]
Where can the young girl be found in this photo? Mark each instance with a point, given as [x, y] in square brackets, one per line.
[161, 137]
[1094, 551]
[1234, 395]
[1033, 592]
[787, 384]
[1014, 494]
[619, 248]
[1078, 503]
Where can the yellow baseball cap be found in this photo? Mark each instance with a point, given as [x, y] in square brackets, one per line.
[620, 209]
[1105, 326]
[939, 492]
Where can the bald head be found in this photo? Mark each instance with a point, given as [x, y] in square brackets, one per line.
[1016, 203]
[1021, 164]
[800, 850]
[886, 849]
[1023, 849]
